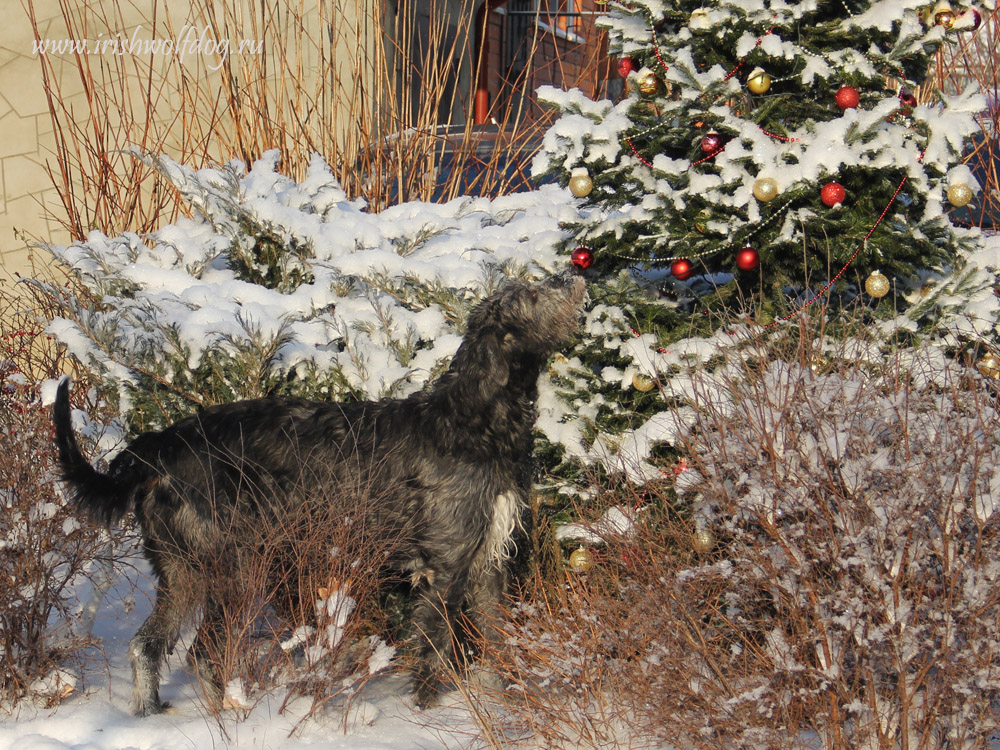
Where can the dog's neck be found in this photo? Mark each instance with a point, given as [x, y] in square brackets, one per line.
[503, 416]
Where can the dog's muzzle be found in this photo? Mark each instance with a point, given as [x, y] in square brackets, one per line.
[572, 283]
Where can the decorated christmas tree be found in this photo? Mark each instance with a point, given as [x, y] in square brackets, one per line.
[767, 159]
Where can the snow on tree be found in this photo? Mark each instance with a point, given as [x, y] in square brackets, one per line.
[768, 158]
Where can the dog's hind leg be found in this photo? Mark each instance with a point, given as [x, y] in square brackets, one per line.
[485, 593]
[153, 641]
[209, 649]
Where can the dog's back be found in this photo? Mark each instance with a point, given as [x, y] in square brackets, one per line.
[197, 451]
[257, 458]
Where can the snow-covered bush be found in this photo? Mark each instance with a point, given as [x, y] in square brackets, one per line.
[829, 575]
[858, 565]
[289, 288]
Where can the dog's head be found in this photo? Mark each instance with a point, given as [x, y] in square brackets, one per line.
[518, 327]
[532, 318]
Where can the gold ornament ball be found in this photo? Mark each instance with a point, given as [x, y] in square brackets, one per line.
[989, 366]
[643, 383]
[945, 18]
[877, 285]
[580, 183]
[765, 189]
[581, 560]
[959, 194]
[759, 82]
[649, 84]
[944, 15]
[701, 220]
[703, 541]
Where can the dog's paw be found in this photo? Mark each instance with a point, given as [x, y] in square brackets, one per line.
[426, 697]
[150, 708]
[427, 688]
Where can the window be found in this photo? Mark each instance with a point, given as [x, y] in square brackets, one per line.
[566, 15]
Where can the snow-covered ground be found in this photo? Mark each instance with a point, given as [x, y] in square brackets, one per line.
[97, 715]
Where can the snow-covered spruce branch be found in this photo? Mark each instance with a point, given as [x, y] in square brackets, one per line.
[289, 287]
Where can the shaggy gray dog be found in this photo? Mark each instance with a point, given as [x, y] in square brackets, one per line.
[446, 471]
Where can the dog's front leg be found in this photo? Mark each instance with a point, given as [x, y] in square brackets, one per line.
[434, 614]
[485, 612]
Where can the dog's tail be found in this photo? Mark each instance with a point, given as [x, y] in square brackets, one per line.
[101, 495]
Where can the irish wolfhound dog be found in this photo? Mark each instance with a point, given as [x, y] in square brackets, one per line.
[447, 470]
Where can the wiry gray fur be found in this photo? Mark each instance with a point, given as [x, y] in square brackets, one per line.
[446, 470]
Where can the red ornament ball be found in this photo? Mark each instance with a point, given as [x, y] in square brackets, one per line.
[907, 99]
[681, 268]
[832, 193]
[710, 143]
[747, 259]
[626, 65]
[847, 97]
[966, 21]
[582, 257]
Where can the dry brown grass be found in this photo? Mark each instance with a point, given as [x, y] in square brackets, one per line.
[380, 97]
[300, 605]
[46, 550]
[850, 596]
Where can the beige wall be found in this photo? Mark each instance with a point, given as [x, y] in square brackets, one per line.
[27, 141]
[30, 205]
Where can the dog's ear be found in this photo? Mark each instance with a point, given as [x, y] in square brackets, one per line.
[482, 366]
[490, 365]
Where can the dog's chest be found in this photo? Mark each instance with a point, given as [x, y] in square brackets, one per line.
[500, 530]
